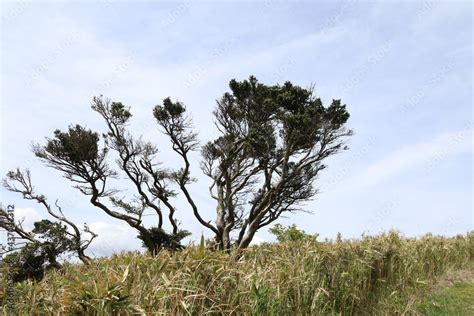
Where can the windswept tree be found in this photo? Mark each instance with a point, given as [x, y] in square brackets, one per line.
[79, 155]
[272, 144]
[49, 239]
[174, 123]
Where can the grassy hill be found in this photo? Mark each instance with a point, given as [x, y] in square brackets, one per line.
[372, 275]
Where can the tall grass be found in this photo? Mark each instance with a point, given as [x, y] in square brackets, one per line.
[371, 275]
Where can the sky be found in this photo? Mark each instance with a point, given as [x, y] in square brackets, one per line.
[404, 70]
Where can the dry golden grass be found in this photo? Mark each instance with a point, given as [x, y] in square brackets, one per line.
[371, 275]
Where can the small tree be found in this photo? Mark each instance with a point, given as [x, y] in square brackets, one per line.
[158, 239]
[41, 254]
[54, 233]
[27, 263]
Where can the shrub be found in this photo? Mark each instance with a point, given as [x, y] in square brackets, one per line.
[291, 233]
[156, 239]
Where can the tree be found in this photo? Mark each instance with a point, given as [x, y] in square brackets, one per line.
[52, 237]
[157, 236]
[172, 118]
[82, 160]
[273, 140]
[42, 253]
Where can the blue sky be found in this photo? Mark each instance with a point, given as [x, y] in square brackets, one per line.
[404, 69]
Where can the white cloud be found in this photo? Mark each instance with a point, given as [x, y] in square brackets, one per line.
[424, 155]
[257, 240]
[27, 216]
[112, 238]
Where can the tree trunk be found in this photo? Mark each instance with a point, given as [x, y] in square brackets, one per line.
[83, 257]
[251, 230]
[220, 220]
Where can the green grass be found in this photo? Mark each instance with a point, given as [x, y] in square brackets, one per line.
[372, 275]
[455, 300]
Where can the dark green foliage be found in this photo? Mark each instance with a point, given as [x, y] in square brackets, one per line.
[27, 263]
[120, 112]
[55, 238]
[78, 155]
[156, 239]
[168, 111]
[35, 257]
[77, 145]
[171, 116]
[263, 114]
[274, 139]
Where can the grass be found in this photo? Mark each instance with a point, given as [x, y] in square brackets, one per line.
[371, 275]
[453, 294]
[455, 300]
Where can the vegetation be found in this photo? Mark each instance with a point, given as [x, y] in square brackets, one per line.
[372, 275]
[273, 140]
[290, 233]
[455, 300]
[271, 146]
[452, 294]
[49, 239]
[40, 254]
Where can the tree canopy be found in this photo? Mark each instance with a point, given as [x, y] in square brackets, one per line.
[271, 149]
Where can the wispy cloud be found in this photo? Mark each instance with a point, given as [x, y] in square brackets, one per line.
[421, 155]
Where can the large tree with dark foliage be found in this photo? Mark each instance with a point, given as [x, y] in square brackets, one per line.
[272, 144]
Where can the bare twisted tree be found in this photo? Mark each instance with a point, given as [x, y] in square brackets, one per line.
[19, 181]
